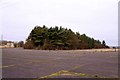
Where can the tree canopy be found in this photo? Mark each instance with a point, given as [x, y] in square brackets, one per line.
[60, 38]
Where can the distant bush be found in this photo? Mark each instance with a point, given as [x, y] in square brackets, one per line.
[20, 44]
[28, 45]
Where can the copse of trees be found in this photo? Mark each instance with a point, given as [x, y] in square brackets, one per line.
[60, 38]
[19, 44]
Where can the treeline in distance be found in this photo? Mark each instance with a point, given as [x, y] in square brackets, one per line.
[60, 38]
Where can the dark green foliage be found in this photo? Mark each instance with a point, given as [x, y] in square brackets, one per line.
[104, 44]
[59, 38]
[29, 45]
[20, 44]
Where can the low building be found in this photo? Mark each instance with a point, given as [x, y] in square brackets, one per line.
[10, 44]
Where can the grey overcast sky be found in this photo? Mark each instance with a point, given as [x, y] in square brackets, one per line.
[95, 18]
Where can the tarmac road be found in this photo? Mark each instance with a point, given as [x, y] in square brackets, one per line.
[22, 63]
